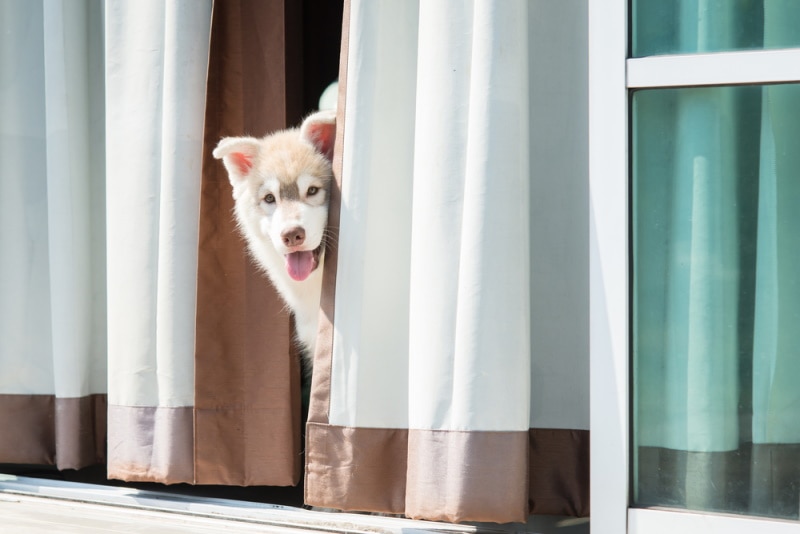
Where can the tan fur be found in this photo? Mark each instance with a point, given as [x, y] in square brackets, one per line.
[289, 157]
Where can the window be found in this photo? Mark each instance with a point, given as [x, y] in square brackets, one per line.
[716, 299]
[692, 26]
[694, 265]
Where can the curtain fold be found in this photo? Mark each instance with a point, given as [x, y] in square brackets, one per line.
[204, 386]
[422, 401]
[156, 60]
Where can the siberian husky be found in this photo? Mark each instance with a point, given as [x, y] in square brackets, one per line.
[281, 186]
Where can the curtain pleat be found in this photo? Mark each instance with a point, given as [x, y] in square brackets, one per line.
[156, 64]
[33, 441]
[558, 472]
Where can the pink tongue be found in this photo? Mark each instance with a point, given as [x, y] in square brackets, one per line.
[300, 264]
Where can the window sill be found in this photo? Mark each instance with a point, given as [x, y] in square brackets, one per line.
[668, 521]
[34, 505]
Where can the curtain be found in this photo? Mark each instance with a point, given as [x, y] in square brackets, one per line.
[153, 208]
[715, 263]
[449, 381]
[126, 295]
[52, 240]
[247, 380]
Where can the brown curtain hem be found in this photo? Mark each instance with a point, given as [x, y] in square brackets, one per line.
[559, 472]
[150, 444]
[449, 476]
[45, 430]
[81, 431]
[458, 476]
[356, 469]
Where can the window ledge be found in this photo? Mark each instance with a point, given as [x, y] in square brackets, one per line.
[34, 505]
[46, 504]
[668, 521]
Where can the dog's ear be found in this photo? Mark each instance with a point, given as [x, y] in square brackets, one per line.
[238, 154]
[319, 129]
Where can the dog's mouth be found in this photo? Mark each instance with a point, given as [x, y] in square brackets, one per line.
[301, 264]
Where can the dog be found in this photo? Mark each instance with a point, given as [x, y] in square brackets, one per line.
[281, 189]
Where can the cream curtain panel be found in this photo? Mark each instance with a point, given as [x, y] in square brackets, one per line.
[154, 108]
[433, 394]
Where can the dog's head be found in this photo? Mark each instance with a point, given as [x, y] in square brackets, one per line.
[281, 186]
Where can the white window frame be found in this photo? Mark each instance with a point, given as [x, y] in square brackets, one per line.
[611, 76]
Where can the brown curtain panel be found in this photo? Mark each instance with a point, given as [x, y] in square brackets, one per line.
[247, 382]
[269, 62]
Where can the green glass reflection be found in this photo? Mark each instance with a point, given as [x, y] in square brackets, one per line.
[696, 26]
[716, 299]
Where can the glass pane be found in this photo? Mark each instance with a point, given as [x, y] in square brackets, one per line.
[716, 299]
[692, 26]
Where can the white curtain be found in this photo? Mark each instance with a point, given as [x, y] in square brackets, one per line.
[446, 188]
[156, 65]
[52, 233]
[423, 403]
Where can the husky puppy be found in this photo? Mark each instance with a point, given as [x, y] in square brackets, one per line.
[281, 186]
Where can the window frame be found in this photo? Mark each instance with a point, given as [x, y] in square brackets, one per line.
[612, 78]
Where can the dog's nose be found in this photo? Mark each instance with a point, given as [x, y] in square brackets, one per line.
[293, 237]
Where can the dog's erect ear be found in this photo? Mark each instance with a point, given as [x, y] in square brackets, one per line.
[319, 129]
[238, 154]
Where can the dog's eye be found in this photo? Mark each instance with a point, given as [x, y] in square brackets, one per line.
[270, 198]
[312, 191]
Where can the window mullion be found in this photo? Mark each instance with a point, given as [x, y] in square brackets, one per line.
[725, 68]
